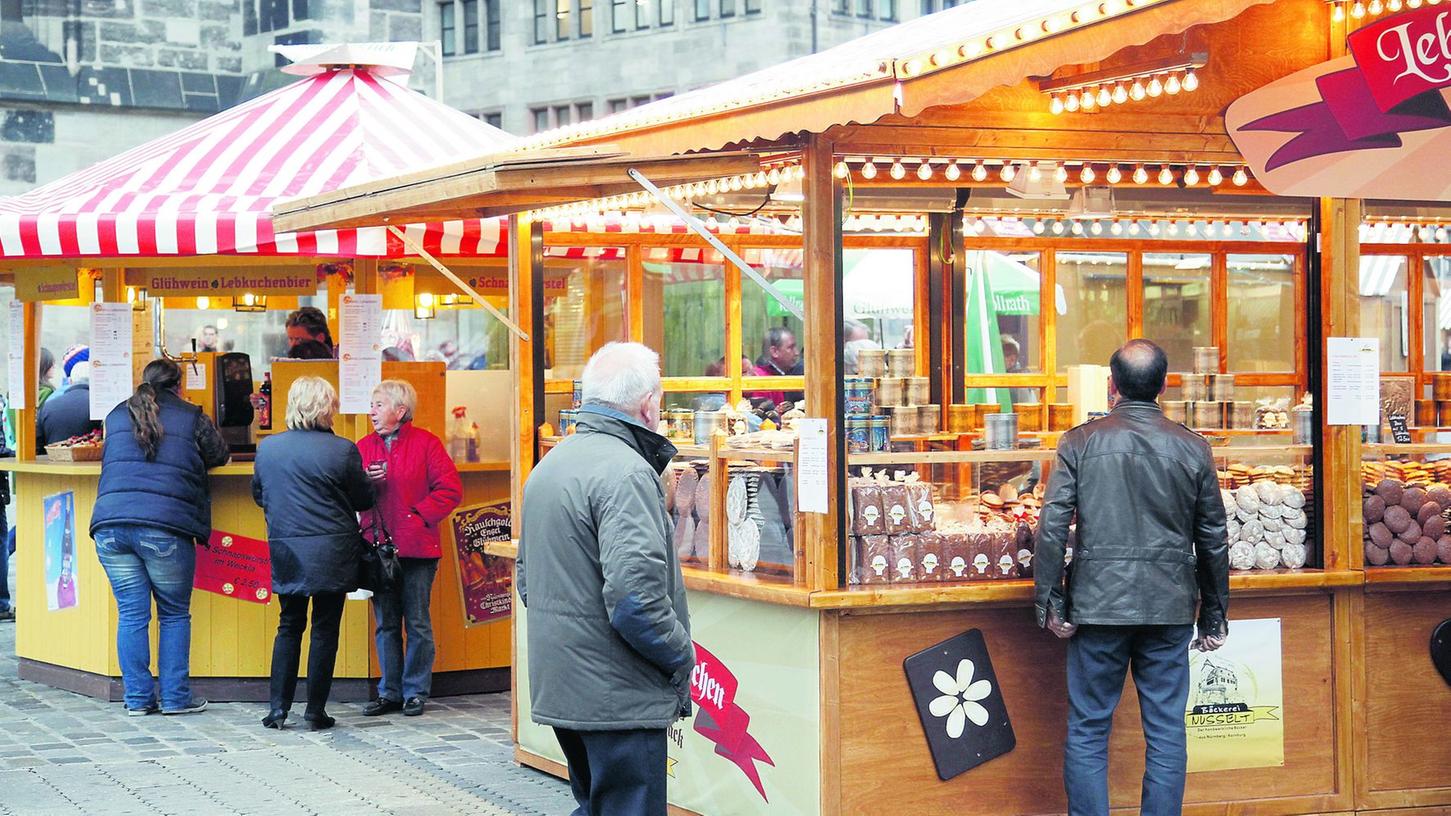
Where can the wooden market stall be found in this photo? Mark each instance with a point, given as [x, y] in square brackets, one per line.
[181, 223]
[1128, 211]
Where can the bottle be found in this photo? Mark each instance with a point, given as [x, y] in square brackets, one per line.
[473, 446]
[264, 403]
[458, 432]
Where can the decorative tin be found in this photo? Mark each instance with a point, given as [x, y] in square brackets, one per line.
[871, 363]
[881, 436]
[891, 391]
[857, 392]
[901, 362]
[567, 419]
[858, 434]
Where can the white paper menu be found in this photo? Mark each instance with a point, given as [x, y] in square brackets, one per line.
[811, 469]
[360, 353]
[1352, 388]
[15, 356]
[111, 351]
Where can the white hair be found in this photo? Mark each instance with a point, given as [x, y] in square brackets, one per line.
[619, 375]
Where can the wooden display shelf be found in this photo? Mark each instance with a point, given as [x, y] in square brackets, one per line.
[482, 467]
[45, 466]
[1406, 576]
[1387, 448]
[749, 586]
[953, 457]
[754, 454]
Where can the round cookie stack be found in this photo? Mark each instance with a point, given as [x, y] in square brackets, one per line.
[1267, 526]
[1405, 524]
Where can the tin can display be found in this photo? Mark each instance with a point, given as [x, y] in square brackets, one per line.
[891, 391]
[1302, 426]
[858, 434]
[1425, 413]
[1206, 414]
[567, 419]
[871, 363]
[1195, 388]
[578, 394]
[1030, 415]
[682, 421]
[904, 421]
[901, 362]
[1242, 414]
[1060, 416]
[1441, 386]
[880, 427]
[960, 418]
[919, 390]
[857, 392]
[1443, 414]
[1206, 359]
[705, 424]
[929, 418]
[1221, 387]
[1176, 410]
[1000, 431]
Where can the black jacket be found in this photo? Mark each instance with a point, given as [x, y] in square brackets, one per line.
[171, 492]
[64, 416]
[1151, 539]
[311, 487]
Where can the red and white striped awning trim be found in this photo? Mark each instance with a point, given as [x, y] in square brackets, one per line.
[208, 188]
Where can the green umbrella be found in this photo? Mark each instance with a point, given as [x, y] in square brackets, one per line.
[984, 342]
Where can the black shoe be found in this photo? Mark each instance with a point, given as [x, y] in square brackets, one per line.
[196, 704]
[7, 614]
[413, 707]
[380, 706]
[149, 708]
[276, 718]
[318, 722]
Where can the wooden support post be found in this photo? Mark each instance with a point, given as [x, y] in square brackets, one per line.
[716, 557]
[25, 418]
[113, 286]
[734, 333]
[526, 306]
[1340, 315]
[824, 535]
[635, 297]
[933, 324]
[1048, 324]
[1219, 307]
[365, 276]
[1133, 294]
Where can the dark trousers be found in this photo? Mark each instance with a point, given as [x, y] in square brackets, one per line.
[4, 560]
[327, 615]
[406, 674]
[616, 773]
[1097, 659]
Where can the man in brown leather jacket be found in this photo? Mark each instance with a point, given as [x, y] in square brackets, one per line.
[1151, 550]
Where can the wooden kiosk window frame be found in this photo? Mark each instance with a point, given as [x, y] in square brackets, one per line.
[1415, 256]
[1134, 250]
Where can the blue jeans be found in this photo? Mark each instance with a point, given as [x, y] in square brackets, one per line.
[1097, 659]
[616, 772]
[411, 674]
[142, 563]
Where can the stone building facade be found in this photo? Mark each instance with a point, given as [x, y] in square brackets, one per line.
[81, 80]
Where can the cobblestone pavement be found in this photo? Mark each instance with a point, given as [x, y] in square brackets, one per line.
[64, 754]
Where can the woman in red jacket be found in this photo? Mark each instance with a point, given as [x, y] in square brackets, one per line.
[418, 487]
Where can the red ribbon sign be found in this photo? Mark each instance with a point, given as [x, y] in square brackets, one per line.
[235, 566]
[720, 720]
[1401, 65]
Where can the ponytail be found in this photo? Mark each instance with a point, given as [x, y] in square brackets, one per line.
[158, 376]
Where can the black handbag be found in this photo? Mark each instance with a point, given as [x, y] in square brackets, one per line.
[381, 570]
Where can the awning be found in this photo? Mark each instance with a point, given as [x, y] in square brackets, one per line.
[208, 188]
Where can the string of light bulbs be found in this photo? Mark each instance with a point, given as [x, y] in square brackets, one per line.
[1360, 9]
[926, 169]
[1119, 91]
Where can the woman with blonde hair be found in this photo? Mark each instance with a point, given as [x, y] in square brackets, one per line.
[418, 487]
[153, 506]
[311, 487]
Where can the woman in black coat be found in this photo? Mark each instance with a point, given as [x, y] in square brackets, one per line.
[311, 486]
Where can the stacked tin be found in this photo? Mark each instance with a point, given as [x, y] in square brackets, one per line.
[1206, 397]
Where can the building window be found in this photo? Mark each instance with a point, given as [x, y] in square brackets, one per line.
[471, 26]
[586, 19]
[667, 12]
[491, 25]
[889, 10]
[727, 8]
[753, 6]
[618, 10]
[702, 10]
[561, 115]
[446, 28]
[843, 6]
[543, 10]
[642, 14]
[864, 8]
[268, 15]
[540, 118]
[584, 111]
[561, 20]
[617, 105]
[494, 119]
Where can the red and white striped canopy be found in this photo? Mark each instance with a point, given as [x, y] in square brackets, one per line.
[207, 188]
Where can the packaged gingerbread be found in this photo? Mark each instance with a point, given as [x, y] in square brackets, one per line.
[874, 560]
[894, 507]
[866, 509]
[956, 559]
[905, 569]
[920, 508]
[930, 563]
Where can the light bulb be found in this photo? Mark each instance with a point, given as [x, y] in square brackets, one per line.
[712, 187]
[1116, 228]
[924, 170]
[1415, 4]
[1166, 176]
[735, 184]
[1215, 177]
[1154, 229]
[1375, 7]
[1393, 5]
[1087, 101]
[1105, 97]
[1087, 175]
[869, 170]
[797, 171]
[1077, 228]
[953, 172]
[761, 177]
[1057, 227]
[1191, 176]
[1358, 10]
[1155, 87]
[842, 171]
[1172, 86]
[773, 176]
[1035, 174]
[1060, 174]
[1240, 177]
[1120, 94]
[204, 302]
[979, 171]
[1038, 228]
[1056, 106]
[1191, 81]
[1137, 92]
[1134, 228]
[980, 227]
[1141, 175]
[1114, 174]
[898, 171]
[1337, 12]
[1096, 229]
[1008, 173]
[1426, 233]
[1173, 227]
[1440, 234]
[1070, 103]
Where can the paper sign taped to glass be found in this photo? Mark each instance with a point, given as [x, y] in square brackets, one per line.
[235, 566]
[1235, 714]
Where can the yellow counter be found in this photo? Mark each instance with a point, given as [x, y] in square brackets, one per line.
[231, 644]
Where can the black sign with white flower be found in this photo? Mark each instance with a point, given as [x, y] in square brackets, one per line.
[961, 707]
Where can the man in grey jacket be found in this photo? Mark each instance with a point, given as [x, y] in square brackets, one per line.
[610, 653]
[1151, 551]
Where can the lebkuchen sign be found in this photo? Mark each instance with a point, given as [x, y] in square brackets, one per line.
[1374, 124]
